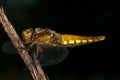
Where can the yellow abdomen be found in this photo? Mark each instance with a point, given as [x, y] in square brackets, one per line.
[67, 39]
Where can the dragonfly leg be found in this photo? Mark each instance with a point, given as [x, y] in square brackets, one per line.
[39, 52]
[38, 49]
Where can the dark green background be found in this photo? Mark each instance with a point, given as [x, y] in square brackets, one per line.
[97, 61]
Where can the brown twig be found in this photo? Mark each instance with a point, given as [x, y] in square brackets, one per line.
[35, 69]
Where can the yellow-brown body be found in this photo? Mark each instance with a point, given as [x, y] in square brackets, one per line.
[78, 40]
[48, 37]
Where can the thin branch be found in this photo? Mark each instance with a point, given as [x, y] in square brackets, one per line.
[35, 69]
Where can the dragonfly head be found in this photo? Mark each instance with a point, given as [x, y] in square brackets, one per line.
[28, 35]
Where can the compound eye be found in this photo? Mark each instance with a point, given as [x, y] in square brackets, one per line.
[27, 35]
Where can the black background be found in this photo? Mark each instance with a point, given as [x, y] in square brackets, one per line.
[97, 61]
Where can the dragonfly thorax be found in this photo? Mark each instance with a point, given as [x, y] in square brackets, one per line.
[40, 36]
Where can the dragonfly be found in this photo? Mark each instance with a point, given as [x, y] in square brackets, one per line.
[52, 45]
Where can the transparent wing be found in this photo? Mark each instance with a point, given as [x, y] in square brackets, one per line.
[53, 55]
[8, 48]
[50, 55]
